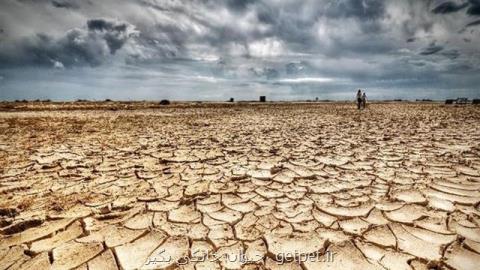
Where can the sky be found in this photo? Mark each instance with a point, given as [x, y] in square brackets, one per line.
[218, 49]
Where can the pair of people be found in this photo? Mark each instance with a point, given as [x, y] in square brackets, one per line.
[361, 99]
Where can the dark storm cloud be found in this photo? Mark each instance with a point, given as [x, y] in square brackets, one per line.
[474, 8]
[451, 54]
[365, 9]
[474, 23]
[104, 25]
[431, 49]
[239, 5]
[91, 45]
[65, 4]
[448, 7]
[114, 33]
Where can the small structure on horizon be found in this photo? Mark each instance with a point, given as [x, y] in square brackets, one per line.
[231, 99]
[476, 101]
[263, 98]
[449, 101]
[164, 102]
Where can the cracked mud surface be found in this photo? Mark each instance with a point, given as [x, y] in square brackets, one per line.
[393, 187]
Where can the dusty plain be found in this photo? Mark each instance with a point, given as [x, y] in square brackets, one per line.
[239, 186]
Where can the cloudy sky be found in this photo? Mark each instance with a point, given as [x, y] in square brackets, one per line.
[217, 49]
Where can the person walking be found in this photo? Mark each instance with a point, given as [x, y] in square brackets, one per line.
[359, 99]
[364, 100]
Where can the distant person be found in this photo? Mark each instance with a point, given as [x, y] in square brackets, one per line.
[364, 100]
[359, 99]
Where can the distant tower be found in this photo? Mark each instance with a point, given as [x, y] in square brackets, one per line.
[263, 98]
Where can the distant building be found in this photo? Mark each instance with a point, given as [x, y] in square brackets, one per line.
[263, 98]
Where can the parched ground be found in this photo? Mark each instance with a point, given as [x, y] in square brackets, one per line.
[195, 186]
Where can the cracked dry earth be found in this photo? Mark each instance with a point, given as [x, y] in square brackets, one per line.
[394, 187]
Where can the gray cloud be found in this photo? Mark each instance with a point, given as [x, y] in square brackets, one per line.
[431, 49]
[474, 8]
[365, 9]
[79, 46]
[448, 7]
[474, 23]
[114, 33]
[239, 5]
[451, 54]
[65, 4]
